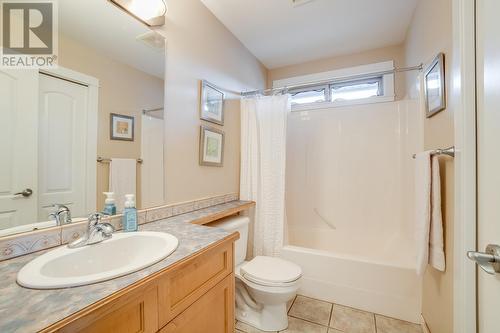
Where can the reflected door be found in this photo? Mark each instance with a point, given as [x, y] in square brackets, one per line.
[152, 171]
[18, 142]
[62, 145]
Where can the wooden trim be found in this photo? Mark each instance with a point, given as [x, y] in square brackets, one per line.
[225, 213]
[425, 328]
[144, 283]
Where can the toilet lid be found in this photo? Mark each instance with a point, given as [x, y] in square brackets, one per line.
[271, 270]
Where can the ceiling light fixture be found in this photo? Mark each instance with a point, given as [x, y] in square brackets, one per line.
[150, 12]
[297, 3]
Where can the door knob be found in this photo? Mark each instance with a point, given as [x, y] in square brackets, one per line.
[26, 193]
[489, 261]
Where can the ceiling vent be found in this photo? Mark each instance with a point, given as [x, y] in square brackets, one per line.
[297, 3]
[152, 39]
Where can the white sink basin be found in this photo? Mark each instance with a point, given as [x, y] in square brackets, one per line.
[122, 254]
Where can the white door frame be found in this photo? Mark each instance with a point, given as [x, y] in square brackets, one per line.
[463, 101]
[93, 106]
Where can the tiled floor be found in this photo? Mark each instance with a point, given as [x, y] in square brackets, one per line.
[308, 315]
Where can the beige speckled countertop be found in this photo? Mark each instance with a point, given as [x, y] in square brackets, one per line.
[28, 310]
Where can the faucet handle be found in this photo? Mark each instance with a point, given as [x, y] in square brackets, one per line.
[107, 229]
[95, 218]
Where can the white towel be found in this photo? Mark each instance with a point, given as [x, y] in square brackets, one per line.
[429, 224]
[122, 179]
[436, 238]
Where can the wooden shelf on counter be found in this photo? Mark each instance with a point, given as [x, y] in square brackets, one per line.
[224, 213]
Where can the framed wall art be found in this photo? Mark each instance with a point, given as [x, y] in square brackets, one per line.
[435, 87]
[211, 146]
[211, 103]
[121, 127]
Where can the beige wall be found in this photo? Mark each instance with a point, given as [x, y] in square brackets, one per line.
[430, 33]
[395, 53]
[200, 47]
[123, 90]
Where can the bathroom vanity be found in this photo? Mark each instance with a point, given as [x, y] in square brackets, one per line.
[193, 295]
[192, 290]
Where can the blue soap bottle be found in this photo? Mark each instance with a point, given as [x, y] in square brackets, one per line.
[130, 214]
[109, 204]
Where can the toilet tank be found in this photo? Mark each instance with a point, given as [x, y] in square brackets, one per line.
[240, 224]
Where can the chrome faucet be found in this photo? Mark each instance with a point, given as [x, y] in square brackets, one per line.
[62, 215]
[96, 232]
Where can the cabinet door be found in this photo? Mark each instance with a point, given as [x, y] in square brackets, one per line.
[133, 313]
[192, 279]
[213, 312]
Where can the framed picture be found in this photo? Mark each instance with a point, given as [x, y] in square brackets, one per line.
[211, 103]
[211, 146]
[121, 127]
[435, 89]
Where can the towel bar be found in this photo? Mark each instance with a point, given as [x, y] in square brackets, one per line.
[108, 160]
[450, 151]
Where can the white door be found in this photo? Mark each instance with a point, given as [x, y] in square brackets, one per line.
[152, 171]
[18, 144]
[62, 145]
[488, 163]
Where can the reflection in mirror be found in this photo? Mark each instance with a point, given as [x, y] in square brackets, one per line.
[60, 122]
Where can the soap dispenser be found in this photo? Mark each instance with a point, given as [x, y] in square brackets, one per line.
[109, 204]
[130, 214]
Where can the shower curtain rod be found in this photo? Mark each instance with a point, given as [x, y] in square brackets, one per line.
[151, 110]
[330, 81]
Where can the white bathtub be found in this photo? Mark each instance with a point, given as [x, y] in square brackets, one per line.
[386, 287]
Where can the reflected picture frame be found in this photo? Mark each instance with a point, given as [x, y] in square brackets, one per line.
[435, 86]
[211, 103]
[121, 127]
[211, 146]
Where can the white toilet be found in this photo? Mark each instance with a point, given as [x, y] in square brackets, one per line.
[264, 285]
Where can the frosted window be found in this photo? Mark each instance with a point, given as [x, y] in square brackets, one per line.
[349, 91]
[307, 96]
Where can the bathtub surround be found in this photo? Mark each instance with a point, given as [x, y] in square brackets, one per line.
[26, 243]
[339, 161]
[263, 160]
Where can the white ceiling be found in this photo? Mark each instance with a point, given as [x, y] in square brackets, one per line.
[279, 33]
[102, 26]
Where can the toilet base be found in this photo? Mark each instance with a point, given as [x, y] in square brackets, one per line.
[270, 318]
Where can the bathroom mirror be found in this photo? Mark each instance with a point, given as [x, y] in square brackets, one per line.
[59, 143]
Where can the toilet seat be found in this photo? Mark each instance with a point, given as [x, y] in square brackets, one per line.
[272, 272]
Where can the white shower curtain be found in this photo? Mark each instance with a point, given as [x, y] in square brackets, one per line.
[263, 160]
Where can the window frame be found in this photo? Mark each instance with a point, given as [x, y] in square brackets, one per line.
[343, 76]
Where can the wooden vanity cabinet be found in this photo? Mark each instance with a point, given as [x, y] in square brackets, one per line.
[193, 295]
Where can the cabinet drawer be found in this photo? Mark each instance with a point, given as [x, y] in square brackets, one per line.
[188, 282]
[136, 313]
[213, 312]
